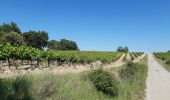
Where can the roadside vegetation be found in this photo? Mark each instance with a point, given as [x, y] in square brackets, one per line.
[124, 83]
[163, 58]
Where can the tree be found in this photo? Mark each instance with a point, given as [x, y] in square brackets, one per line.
[119, 49]
[6, 29]
[10, 27]
[122, 49]
[12, 38]
[36, 39]
[63, 44]
[68, 45]
[126, 49]
[168, 51]
[54, 45]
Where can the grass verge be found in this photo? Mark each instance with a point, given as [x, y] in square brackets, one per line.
[132, 86]
[166, 66]
[48, 86]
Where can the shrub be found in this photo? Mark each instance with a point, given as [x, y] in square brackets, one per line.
[132, 58]
[168, 61]
[104, 82]
[129, 70]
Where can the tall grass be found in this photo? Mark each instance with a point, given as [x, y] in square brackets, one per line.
[63, 87]
[132, 86]
[48, 86]
[15, 89]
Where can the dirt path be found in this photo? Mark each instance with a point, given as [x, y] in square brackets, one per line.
[158, 81]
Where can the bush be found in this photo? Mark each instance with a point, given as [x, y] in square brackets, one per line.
[104, 82]
[132, 58]
[168, 61]
[129, 70]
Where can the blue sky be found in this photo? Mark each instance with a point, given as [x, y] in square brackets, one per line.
[142, 25]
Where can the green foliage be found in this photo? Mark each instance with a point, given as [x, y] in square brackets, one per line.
[12, 38]
[53, 45]
[123, 49]
[4, 88]
[132, 86]
[48, 86]
[134, 55]
[137, 54]
[15, 89]
[68, 45]
[36, 39]
[165, 56]
[164, 59]
[20, 52]
[10, 27]
[10, 33]
[131, 56]
[104, 82]
[63, 44]
[168, 60]
[129, 71]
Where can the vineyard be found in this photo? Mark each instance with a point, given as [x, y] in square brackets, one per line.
[28, 62]
[20, 55]
[132, 55]
[28, 55]
[164, 56]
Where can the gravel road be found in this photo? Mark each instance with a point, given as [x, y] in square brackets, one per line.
[158, 81]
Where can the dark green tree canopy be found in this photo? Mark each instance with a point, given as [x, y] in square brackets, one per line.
[12, 38]
[63, 44]
[10, 27]
[53, 45]
[11, 33]
[122, 49]
[36, 39]
[68, 45]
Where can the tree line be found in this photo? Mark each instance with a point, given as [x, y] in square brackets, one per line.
[123, 49]
[11, 33]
